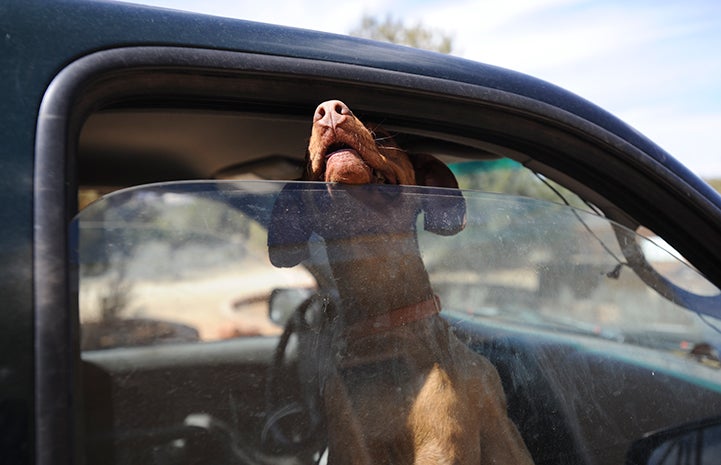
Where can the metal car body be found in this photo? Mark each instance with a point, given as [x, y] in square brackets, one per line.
[105, 96]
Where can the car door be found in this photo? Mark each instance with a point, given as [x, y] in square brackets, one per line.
[150, 378]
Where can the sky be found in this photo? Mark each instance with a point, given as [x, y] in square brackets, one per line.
[656, 64]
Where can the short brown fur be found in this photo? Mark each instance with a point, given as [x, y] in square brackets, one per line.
[411, 393]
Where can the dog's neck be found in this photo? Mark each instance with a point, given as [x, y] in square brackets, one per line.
[396, 318]
[378, 274]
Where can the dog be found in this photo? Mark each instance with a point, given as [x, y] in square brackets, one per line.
[397, 387]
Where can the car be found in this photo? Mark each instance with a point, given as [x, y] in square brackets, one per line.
[142, 321]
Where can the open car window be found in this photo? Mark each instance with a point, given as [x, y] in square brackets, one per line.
[180, 304]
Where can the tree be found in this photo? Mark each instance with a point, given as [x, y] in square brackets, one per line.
[396, 31]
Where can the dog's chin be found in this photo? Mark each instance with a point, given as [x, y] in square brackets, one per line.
[347, 167]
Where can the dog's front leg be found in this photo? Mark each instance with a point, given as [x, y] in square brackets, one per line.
[346, 444]
[444, 427]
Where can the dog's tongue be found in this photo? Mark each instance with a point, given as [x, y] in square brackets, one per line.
[346, 150]
[346, 166]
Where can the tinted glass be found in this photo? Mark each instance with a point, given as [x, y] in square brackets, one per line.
[200, 346]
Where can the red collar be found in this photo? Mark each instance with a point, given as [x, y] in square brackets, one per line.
[395, 318]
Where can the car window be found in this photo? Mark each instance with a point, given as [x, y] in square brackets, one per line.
[176, 263]
[194, 335]
[160, 253]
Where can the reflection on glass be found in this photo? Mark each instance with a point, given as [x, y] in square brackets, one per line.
[585, 347]
[698, 448]
[697, 443]
[165, 265]
[188, 261]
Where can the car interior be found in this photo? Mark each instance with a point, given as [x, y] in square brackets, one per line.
[162, 382]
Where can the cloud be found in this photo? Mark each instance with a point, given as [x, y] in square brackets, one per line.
[653, 65]
[337, 17]
[692, 138]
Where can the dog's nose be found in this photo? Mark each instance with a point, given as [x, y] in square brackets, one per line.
[331, 113]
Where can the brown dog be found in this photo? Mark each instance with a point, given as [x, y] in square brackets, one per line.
[397, 386]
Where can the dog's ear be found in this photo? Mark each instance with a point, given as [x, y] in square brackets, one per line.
[445, 211]
[289, 229]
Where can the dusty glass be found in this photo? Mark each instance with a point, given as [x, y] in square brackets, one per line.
[197, 345]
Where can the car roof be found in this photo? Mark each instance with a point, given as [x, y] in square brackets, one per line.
[101, 24]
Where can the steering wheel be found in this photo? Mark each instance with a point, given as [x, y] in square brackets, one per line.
[295, 425]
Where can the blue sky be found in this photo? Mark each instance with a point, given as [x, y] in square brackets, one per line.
[656, 64]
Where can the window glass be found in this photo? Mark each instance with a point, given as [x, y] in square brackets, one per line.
[198, 342]
[176, 263]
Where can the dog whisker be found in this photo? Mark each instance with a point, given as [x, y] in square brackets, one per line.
[372, 130]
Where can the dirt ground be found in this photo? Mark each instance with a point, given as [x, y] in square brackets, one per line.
[228, 303]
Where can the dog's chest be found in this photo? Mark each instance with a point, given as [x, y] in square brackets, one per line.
[391, 364]
[383, 389]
